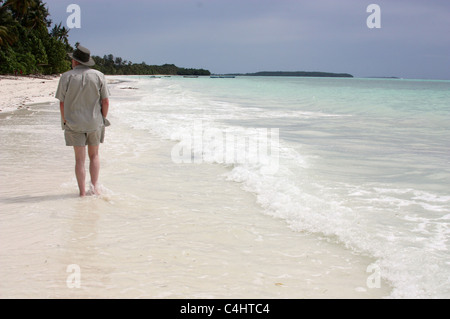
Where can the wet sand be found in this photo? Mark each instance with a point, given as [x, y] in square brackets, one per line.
[159, 230]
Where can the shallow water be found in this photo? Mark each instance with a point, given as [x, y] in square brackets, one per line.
[360, 162]
[159, 230]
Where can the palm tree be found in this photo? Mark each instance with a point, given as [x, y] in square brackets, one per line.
[61, 34]
[6, 22]
[6, 37]
[37, 15]
[19, 8]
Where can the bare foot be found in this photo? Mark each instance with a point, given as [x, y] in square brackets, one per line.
[94, 190]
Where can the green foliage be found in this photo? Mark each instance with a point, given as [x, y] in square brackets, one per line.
[57, 58]
[117, 66]
[9, 61]
[26, 45]
[183, 71]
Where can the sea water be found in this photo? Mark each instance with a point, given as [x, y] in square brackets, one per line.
[254, 187]
[361, 162]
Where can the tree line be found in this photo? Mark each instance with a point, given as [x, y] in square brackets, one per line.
[30, 45]
[27, 46]
[117, 66]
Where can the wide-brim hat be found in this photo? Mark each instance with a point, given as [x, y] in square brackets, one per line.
[82, 55]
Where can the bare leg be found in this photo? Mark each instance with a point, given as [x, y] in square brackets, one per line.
[94, 166]
[80, 173]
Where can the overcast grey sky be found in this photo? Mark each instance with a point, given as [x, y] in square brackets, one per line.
[226, 36]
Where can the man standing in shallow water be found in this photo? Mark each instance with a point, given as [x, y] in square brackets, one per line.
[84, 104]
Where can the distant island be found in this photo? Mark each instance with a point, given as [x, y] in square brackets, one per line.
[295, 73]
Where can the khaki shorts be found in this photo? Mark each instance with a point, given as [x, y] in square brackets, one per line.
[83, 139]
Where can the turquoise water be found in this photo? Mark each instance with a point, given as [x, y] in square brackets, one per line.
[361, 162]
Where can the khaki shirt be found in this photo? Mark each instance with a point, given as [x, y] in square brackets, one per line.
[82, 90]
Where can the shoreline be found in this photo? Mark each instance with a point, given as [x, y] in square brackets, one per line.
[161, 230]
[21, 92]
[18, 92]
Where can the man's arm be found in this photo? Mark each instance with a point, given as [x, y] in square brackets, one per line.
[105, 107]
[61, 108]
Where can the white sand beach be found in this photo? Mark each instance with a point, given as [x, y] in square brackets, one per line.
[18, 92]
[160, 229]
